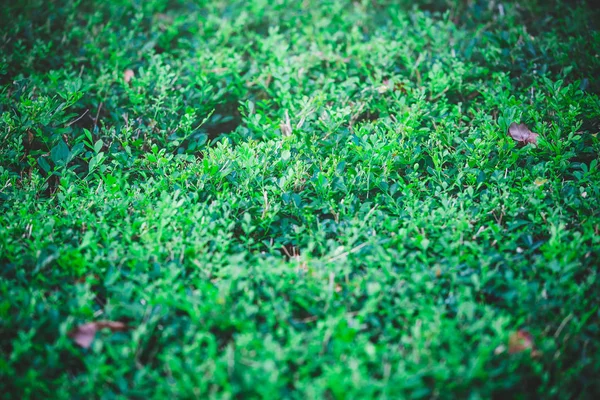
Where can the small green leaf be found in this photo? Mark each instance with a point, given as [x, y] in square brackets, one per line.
[202, 139]
[88, 134]
[43, 164]
[77, 149]
[92, 164]
[60, 153]
[98, 145]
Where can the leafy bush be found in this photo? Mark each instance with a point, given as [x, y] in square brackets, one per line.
[299, 199]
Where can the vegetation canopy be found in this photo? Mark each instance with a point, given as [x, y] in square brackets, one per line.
[299, 199]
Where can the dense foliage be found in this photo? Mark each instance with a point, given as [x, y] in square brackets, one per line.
[299, 199]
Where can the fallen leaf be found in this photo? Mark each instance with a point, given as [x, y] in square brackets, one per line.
[382, 89]
[387, 85]
[29, 137]
[500, 349]
[92, 278]
[84, 334]
[128, 75]
[540, 181]
[521, 133]
[521, 341]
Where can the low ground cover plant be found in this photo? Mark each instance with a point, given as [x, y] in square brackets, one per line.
[318, 199]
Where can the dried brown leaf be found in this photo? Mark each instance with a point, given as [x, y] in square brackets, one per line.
[128, 75]
[84, 334]
[500, 349]
[540, 181]
[521, 341]
[396, 87]
[521, 133]
[30, 136]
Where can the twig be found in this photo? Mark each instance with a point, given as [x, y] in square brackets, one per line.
[97, 115]
[562, 325]
[78, 118]
[266, 208]
[346, 253]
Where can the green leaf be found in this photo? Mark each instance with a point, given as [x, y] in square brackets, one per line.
[88, 135]
[98, 145]
[60, 153]
[202, 139]
[92, 164]
[78, 148]
[43, 164]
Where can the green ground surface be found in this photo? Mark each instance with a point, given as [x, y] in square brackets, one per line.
[286, 199]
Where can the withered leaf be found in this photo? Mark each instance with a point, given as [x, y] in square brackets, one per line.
[540, 181]
[84, 334]
[396, 87]
[30, 137]
[521, 133]
[521, 341]
[128, 75]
